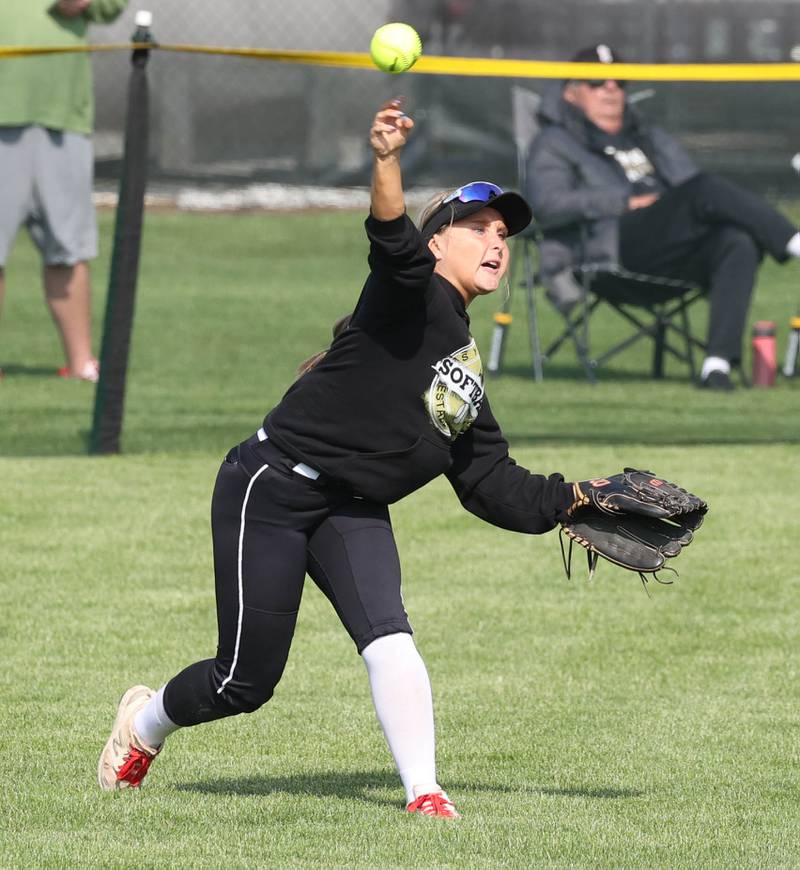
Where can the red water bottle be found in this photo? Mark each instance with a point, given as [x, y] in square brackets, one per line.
[765, 363]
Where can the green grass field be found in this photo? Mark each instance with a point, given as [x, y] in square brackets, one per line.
[579, 723]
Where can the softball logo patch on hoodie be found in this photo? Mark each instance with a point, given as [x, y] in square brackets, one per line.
[456, 392]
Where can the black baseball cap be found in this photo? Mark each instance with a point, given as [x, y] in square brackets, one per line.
[600, 53]
[471, 198]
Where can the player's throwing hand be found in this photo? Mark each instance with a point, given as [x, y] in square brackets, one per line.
[390, 129]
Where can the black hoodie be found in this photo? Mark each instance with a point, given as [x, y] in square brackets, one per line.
[399, 398]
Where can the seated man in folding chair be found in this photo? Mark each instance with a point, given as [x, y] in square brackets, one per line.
[649, 209]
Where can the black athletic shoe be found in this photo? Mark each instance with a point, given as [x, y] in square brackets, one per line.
[717, 380]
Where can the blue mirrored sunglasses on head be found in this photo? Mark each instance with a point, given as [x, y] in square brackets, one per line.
[475, 191]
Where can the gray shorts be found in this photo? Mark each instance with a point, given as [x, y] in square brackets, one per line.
[46, 182]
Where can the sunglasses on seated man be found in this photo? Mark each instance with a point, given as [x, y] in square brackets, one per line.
[598, 83]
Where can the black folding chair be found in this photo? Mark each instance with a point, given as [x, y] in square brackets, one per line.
[655, 308]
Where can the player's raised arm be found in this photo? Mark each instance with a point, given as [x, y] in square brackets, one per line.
[388, 135]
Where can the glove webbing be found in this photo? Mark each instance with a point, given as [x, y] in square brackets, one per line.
[592, 557]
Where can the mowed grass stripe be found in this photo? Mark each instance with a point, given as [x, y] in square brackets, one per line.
[228, 306]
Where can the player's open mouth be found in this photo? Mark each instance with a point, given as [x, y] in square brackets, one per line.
[491, 265]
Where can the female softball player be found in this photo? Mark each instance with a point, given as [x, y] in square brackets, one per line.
[396, 401]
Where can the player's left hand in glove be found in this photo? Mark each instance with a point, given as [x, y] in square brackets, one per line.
[634, 519]
[637, 492]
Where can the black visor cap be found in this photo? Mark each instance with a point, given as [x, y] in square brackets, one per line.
[514, 210]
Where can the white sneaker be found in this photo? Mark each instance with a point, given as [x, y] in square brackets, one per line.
[125, 758]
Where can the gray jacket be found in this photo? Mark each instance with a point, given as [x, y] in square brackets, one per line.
[577, 193]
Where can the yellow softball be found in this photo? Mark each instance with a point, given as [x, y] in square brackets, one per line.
[395, 47]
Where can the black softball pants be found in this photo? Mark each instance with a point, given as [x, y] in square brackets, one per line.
[712, 232]
[270, 527]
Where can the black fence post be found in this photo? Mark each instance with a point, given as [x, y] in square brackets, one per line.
[120, 302]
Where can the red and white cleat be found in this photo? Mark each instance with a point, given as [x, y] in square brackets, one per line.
[125, 758]
[435, 803]
[90, 372]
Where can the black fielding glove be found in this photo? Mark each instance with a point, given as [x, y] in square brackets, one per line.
[634, 519]
[638, 492]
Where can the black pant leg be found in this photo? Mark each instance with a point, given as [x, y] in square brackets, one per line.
[658, 240]
[711, 232]
[655, 240]
[352, 557]
[727, 264]
[260, 519]
[718, 201]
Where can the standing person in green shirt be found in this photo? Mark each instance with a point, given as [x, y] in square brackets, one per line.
[47, 161]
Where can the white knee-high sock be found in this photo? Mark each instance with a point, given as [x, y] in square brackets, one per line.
[401, 692]
[794, 245]
[151, 723]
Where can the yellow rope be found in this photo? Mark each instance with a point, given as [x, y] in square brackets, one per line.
[466, 66]
[28, 50]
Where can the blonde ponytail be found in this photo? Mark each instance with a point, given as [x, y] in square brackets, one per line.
[341, 324]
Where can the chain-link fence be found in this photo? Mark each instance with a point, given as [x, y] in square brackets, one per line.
[235, 120]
